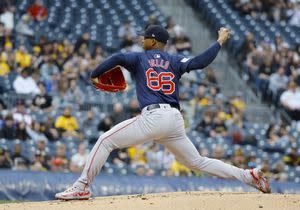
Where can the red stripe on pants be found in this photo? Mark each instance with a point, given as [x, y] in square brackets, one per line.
[100, 145]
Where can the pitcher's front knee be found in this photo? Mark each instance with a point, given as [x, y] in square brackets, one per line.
[107, 143]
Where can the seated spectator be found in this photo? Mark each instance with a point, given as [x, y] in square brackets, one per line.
[20, 113]
[74, 93]
[137, 154]
[278, 173]
[38, 163]
[67, 124]
[206, 124]
[219, 128]
[41, 147]
[50, 131]
[23, 29]
[238, 159]
[59, 162]
[126, 31]
[24, 83]
[42, 100]
[118, 115]
[154, 156]
[48, 68]
[89, 120]
[4, 67]
[265, 167]
[271, 135]
[37, 11]
[181, 41]
[21, 132]
[179, 169]
[82, 40]
[134, 108]
[290, 100]
[8, 130]
[119, 157]
[5, 161]
[20, 162]
[7, 17]
[292, 158]
[218, 153]
[35, 131]
[78, 160]
[22, 57]
[278, 82]
[105, 124]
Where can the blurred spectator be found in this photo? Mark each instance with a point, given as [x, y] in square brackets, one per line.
[265, 167]
[119, 157]
[22, 57]
[50, 131]
[126, 33]
[23, 29]
[78, 160]
[152, 20]
[278, 172]
[37, 11]
[206, 124]
[295, 17]
[292, 158]
[24, 83]
[5, 161]
[238, 158]
[20, 162]
[48, 68]
[8, 130]
[20, 114]
[35, 131]
[89, 120]
[38, 163]
[118, 115]
[41, 147]
[290, 99]
[134, 108]
[21, 132]
[67, 124]
[83, 40]
[272, 136]
[42, 100]
[210, 76]
[218, 153]
[4, 67]
[59, 162]
[179, 169]
[7, 17]
[278, 82]
[181, 41]
[74, 93]
[105, 124]
[137, 154]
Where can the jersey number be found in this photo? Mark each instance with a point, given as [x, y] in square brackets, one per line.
[162, 81]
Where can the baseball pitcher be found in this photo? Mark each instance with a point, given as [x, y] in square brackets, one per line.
[157, 76]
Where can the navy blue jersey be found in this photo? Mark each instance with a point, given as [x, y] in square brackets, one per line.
[157, 73]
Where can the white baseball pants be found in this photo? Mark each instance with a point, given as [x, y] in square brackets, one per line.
[164, 125]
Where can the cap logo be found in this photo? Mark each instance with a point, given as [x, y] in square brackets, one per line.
[153, 35]
[156, 55]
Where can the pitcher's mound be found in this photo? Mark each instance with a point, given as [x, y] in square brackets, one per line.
[174, 201]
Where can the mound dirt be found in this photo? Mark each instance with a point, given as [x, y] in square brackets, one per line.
[168, 201]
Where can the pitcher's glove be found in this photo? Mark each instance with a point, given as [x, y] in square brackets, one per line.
[111, 81]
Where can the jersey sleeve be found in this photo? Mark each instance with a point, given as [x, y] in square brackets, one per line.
[200, 61]
[130, 60]
[127, 60]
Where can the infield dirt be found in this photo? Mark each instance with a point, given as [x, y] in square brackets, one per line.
[168, 201]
